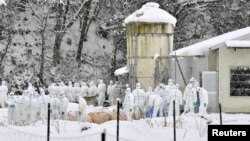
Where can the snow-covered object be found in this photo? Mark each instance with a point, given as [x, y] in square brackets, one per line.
[122, 71]
[238, 43]
[2, 2]
[202, 48]
[3, 94]
[151, 13]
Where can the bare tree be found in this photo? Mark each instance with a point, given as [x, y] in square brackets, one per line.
[90, 11]
[7, 16]
[42, 19]
[62, 26]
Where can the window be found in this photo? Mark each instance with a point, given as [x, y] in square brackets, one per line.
[240, 81]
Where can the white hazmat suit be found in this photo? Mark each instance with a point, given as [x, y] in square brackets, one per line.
[101, 92]
[203, 94]
[84, 89]
[128, 104]
[3, 94]
[175, 95]
[139, 101]
[190, 96]
[43, 101]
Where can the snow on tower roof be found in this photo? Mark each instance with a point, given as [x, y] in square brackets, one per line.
[202, 48]
[151, 13]
[2, 2]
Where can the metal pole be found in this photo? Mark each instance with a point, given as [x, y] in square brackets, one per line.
[118, 113]
[104, 135]
[48, 126]
[174, 120]
[220, 114]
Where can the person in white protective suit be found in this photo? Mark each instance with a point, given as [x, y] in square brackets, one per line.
[175, 95]
[203, 95]
[11, 108]
[31, 89]
[69, 92]
[154, 104]
[163, 91]
[43, 101]
[101, 92]
[92, 89]
[84, 89]
[52, 90]
[82, 108]
[109, 90]
[23, 108]
[55, 105]
[128, 104]
[33, 107]
[61, 89]
[76, 91]
[190, 96]
[139, 101]
[63, 107]
[3, 94]
[114, 92]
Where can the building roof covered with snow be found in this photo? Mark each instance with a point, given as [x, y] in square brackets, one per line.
[2, 2]
[151, 13]
[202, 48]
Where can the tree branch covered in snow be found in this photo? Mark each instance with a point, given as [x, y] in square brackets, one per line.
[75, 17]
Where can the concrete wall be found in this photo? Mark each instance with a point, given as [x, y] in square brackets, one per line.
[144, 40]
[228, 58]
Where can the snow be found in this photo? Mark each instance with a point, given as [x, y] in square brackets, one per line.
[237, 43]
[202, 48]
[139, 130]
[122, 71]
[151, 13]
[2, 2]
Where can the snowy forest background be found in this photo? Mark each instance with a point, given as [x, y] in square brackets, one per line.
[83, 40]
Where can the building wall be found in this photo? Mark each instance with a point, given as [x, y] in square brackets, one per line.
[228, 58]
[144, 40]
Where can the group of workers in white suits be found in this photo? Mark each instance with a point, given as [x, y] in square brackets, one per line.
[137, 103]
[160, 102]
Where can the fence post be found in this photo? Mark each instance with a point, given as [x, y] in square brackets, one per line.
[118, 113]
[104, 135]
[48, 126]
[220, 114]
[174, 120]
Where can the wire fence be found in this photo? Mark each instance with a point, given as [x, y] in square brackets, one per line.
[11, 134]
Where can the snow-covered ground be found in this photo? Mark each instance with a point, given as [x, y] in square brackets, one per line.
[192, 127]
